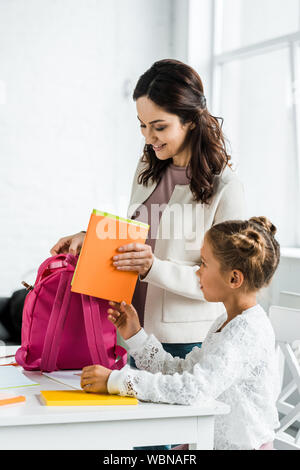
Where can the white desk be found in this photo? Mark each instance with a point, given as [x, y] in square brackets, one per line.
[32, 425]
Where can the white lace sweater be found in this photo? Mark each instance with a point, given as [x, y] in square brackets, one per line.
[237, 366]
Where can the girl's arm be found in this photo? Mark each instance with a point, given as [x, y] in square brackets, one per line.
[202, 375]
[205, 372]
[149, 355]
[147, 350]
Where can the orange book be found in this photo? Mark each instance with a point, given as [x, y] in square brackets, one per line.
[95, 273]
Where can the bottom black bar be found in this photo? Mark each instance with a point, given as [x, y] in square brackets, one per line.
[137, 458]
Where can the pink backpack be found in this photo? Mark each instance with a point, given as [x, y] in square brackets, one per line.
[62, 329]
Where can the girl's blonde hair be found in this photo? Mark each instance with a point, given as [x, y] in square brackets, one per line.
[249, 246]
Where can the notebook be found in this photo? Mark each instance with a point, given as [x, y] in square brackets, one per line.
[66, 377]
[81, 398]
[95, 274]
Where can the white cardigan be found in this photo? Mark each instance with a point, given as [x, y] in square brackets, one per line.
[175, 310]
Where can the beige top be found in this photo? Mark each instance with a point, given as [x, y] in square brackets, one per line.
[157, 200]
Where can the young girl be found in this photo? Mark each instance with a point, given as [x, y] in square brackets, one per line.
[236, 363]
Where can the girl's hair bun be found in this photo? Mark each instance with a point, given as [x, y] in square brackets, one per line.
[249, 243]
[265, 223]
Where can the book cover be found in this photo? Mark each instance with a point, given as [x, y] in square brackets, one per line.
[95, 274]
[81, 398]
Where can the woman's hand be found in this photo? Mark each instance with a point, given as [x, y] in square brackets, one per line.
[94, 379]
[70, 244]
[125, 318]
[134, 257]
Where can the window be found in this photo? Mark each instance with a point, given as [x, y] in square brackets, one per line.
[255, 88]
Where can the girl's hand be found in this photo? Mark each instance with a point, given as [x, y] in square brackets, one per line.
[70, 244]
[134, 257]
[125, 318]
[94, 379]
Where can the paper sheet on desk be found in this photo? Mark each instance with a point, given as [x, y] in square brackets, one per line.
[7, 354]
[66, 377]
[12, 377]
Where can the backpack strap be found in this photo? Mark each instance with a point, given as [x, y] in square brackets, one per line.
[56, 323]
[94, 333]
[94, 330]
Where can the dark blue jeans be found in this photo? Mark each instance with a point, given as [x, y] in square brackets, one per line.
[177, 350]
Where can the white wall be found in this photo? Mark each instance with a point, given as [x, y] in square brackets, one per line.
[200, 42]
[69, 136]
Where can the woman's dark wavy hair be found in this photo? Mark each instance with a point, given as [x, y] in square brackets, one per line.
[178, 89]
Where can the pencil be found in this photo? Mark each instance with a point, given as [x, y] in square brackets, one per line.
[9, 401]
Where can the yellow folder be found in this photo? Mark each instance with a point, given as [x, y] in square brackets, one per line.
[81, 398]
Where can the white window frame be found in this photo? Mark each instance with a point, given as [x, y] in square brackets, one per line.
[219, 58]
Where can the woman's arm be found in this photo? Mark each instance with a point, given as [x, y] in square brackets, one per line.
[69, 244]
[180, 279]
[177, 278]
